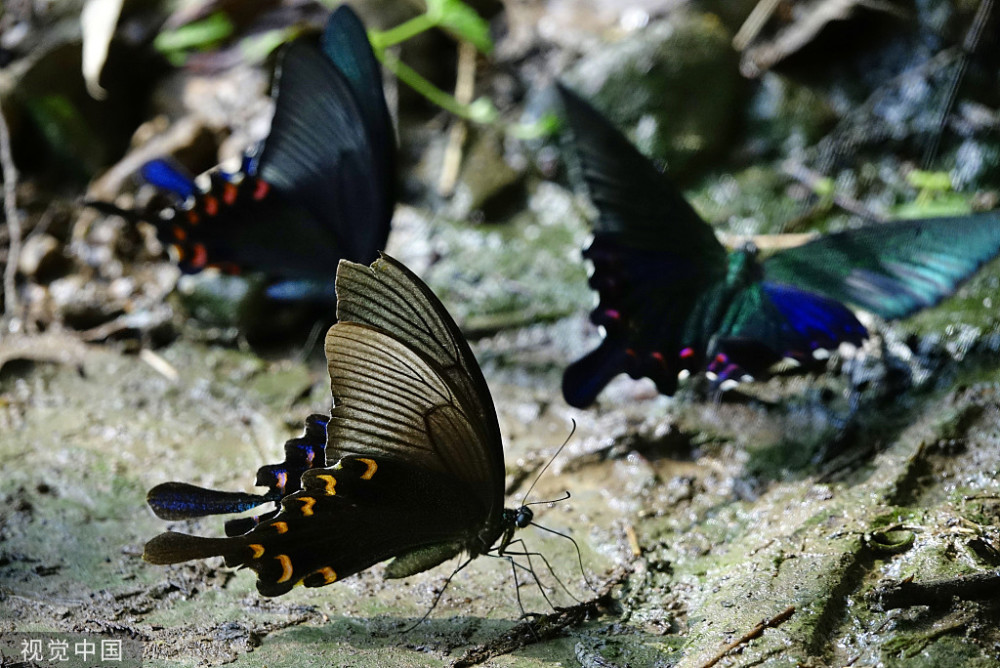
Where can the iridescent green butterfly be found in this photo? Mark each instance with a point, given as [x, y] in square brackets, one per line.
[419, 471]
[672, 299]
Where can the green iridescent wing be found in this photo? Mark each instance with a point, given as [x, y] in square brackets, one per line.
[891, 269]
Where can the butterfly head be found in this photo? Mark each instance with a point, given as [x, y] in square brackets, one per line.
[522, 516]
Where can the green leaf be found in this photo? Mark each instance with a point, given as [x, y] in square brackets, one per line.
[460, 19]
[199, 35]
[948, 204]
[935, 181]
[256, 48]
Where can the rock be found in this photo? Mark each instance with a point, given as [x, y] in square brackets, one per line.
[488, 186]
[673, 87]
[42, 258]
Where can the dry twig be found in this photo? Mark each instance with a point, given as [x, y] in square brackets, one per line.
[464, 89]
[544, 627]
[771, 623]
[13, 218]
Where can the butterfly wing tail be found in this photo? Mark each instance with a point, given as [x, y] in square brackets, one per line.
[585, 378]
[179, 500]
[172, 547]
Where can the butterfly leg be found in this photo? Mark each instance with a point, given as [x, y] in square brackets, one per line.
[437, 598]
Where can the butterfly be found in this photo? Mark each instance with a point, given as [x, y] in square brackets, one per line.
[671, 299]
[418, 470]
[318, 189]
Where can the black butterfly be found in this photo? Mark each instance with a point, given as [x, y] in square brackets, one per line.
[419, 466]
[319, 189]
[672, 300]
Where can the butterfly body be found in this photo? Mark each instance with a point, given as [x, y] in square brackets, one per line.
[672, 299]
[320, 187]
[418, 467]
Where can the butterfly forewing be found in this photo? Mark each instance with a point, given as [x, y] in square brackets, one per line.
[388, 296]
[891, 269]
[634, 200]
[346, 44]
[391, 402]
[318, 154]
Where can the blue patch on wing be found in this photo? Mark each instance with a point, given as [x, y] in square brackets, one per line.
[822, 322]
[163, 174]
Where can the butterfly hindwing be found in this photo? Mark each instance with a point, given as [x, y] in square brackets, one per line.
[347, 518]
[767, 322]
[178, 500]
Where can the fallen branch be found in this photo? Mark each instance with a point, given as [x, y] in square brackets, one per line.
[771, 623]
[544, 627]
[937, 593]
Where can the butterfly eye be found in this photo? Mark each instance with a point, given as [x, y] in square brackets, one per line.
[523, 517]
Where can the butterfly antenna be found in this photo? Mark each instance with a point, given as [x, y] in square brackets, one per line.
[579, 555]
[565, 496]
[548, 464]
[437, 599]
[311, 340]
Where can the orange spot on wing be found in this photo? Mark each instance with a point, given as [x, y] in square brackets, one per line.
[307, 505]
[280, 527]
[286, 568]
[372, 467]
[193, 217]
[282, 481]
[329, 575]
[257, 549]
[331, 484]
[180, 233]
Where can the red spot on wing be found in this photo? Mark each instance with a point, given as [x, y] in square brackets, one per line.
[229, 192]
[180, 233]
[261, 190]
[687, 352]
[200, 256]
[211, 205]
[193, 217]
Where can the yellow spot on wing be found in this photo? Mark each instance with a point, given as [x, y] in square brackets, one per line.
[258, 550]
[307, 505]
[372, 467]
[286, 568]
[280, 527]
[331, 483]
[328, 574]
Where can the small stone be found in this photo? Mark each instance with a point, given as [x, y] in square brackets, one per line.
[41, 258]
